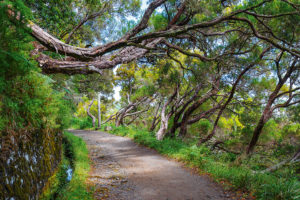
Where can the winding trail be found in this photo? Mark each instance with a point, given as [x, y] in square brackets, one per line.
[123, 170]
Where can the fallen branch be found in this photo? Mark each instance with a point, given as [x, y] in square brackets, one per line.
[295, 158]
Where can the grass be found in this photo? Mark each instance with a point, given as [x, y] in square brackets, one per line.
[74, 148]
[219, 166]
[56, 182]
[81, 123]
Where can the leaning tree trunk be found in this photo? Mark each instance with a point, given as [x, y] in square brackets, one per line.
[257, 131]
[132, 120]
[269, 109]
[172, 131]
[176, 123]
[120, 117]
[295, 158]
[232, 92]
[162, 130]
[193, 107]
[119, 120]
[90, 114]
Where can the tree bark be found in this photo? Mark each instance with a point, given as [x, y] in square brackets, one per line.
[234, 87]
[163, 123]
[193, 107]
[123, 112]
[178, 114]
[155, 118]
[268, 111]
[90, 114]
[160, 134]
[257, 131]
[119, 119]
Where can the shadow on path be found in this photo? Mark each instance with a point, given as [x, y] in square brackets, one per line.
[143, 173]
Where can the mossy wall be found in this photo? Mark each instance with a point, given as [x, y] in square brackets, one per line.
[33, 110]
[27, 159]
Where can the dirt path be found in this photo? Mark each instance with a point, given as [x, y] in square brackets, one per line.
[123, 170]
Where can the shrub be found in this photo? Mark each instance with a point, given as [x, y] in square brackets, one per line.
[264, 186]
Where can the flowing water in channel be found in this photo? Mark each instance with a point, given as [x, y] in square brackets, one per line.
[66, 169]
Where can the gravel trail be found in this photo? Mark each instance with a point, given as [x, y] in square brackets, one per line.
[123, 170]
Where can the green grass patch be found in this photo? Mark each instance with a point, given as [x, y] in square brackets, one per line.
[77, 188]
[57, 182]
[81, 123]
[266, 186]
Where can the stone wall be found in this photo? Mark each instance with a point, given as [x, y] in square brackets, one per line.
[27, 159]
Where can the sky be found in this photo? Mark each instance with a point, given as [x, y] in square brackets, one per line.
[117, 89]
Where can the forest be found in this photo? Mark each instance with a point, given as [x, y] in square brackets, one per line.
[212, 84]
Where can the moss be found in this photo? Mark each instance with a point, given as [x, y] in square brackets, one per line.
[57, 181]
[78, 188]
[57, 187]
[29, 164]
[51, 185]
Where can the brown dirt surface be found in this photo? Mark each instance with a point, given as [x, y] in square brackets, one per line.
[123, 170]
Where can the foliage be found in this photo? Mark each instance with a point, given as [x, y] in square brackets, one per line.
[58, 181]
[32, 113]
[27, 97]
[81, 123]
[77, 188]
[264, 186]
[257, 107]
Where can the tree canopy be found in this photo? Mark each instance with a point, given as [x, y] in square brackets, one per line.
[225, 74]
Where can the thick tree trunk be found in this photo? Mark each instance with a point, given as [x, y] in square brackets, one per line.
[124, 112]
[183, 129]
[120, 116]
[163, 128]
[257, 131]
[193, 107]
[163, 123]
[119, 120]
[176, 123]
[173, 129]
[165, 118]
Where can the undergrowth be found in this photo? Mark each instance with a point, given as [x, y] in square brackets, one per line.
[57, 187]
[265, 186]
[81, 123]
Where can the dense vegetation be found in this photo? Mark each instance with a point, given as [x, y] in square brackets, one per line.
[59, 187]
[215, 83]
[220, 166]
[32, 114]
